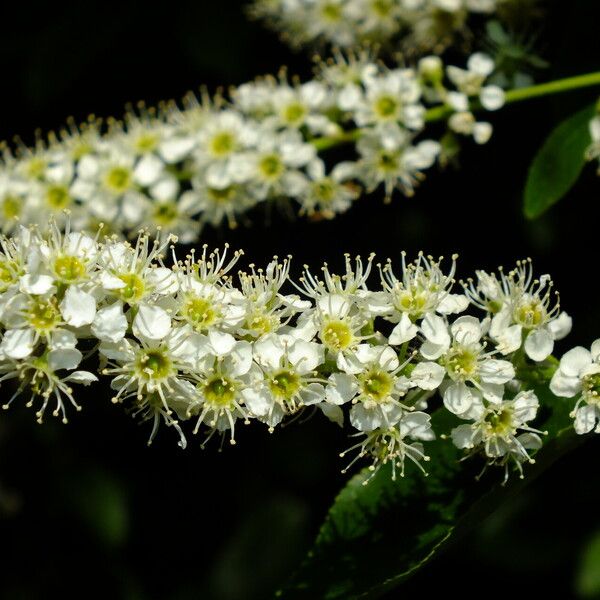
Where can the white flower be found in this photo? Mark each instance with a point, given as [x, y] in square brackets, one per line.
[395, 444]
[226, 379]
[377, 385]
[459, 349]
[578, 373]
[529, 316]
[501, 430]
[423, 288]
[290, 377]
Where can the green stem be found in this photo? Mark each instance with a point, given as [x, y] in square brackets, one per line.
[439, 113]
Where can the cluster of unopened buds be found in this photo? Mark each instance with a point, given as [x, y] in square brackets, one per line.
[415, 25]
[213, 160]
[186, 341]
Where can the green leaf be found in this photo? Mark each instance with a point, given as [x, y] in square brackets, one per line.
[558, 164]
[376, 536]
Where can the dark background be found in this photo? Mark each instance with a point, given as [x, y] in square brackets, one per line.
[89, 511]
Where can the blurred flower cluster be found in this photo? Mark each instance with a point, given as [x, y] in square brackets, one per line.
[416, 26]
[212, 160]
[189, 342]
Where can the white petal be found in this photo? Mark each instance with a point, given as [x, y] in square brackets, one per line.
[539, 344]
[239, 359]
[36, 284]
[78, 308]
[510, 339]
[65, 358]
[564, 386]
[595, 350]
[452, 304]
[561, 326]
[305, 356]
[151, 322]
[334, 413]
[313, 393]
[269, 351]
[428, 375]
[148, 170]
[365, 419]
[162, 280]
[575, 361]
[222, 343]
[462, 436]
[435, 330]
[258, 401]
[496, 371]
[110, 324]
[176, 149]
[416, 425]
[585, 419]
[62, 338]
[405, 331]
[466, 330]
[81, 377]
[341, 389]
[17, 343]
[458, 398]
[526, 405]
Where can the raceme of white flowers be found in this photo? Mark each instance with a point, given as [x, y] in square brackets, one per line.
[421, 25]
[193, 343]
[212, 160]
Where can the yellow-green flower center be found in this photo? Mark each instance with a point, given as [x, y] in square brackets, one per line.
[261, 323]
[294, 113]
[69, 268]
[324, 190]
[199, 312]
[219, 391]
[134, 288]
[271, 166]
[461, 363]
[337, 335]
[58, 197]
[376, 385]
[285, 384]
[43, 315]
[381, 8]
[118, 179]
[9, 273]
[591, 388]
[35, 168]
[222, 196]
[222, 144]
[530, 313]
[499, 421]
[386, 106]
[331, 11]
[388, 161]
[147, 142]
[165, 213]
[154, 364]
[11, 207]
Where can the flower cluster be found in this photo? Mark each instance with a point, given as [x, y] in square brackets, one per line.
[191, 342]
[420, 25]
[212, 160]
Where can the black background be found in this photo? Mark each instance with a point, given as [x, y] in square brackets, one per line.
[87, 510]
